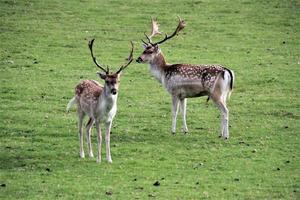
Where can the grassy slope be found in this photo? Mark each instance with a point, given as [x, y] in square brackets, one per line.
[43, 54]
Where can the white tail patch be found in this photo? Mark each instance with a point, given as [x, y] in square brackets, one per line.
[71, 104]
[231, 81]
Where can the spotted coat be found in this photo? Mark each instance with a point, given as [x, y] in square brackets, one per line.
[185, 80]
[89, 89]
[87, 94]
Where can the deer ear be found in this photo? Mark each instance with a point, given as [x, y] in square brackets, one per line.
[156, 48]
[144, 46]
[102, 76]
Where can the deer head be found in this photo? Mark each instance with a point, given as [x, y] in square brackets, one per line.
[111, 79]
[151, 49]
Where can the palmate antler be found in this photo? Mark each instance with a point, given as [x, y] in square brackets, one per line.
[155, 31]
[180, 26]
[154, 28]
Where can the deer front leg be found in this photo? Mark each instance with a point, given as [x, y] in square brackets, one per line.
[99, 136]
[175, 103]
[183, 112]
[107, 140]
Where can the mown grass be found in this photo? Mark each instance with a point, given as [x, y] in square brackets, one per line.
[44, 55]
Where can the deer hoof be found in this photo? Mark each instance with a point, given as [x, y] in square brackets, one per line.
[185, 130]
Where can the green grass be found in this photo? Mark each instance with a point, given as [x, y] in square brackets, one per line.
[44, 54]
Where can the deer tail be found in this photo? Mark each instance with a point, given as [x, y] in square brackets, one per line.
[71, 104]
[231, 73]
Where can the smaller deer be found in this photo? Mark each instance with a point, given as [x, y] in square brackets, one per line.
[184, 81]
[99, 103]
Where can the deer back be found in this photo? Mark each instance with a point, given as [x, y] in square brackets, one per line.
[186, 80]
[87, 95]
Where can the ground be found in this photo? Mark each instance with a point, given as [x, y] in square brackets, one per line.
[44, 54]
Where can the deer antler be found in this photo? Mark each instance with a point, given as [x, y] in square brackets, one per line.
[154, 31]
[180, 26]
[130, 59]
[154, 28]
[94, 58]
[149, 40]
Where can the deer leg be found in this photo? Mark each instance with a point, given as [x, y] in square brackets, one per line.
[225, 112]
[183, 112]
[89, 126]
[224, 119]
[175, 103]
[99, 136]
[218, 96]
[107, 140]
[80, 121]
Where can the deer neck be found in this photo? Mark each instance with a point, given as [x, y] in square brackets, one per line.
[158, 66]
[107, 98]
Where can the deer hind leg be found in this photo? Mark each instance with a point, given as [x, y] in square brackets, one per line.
[80, 121]
[89, 126]
[225, 113]
[183, 112]
[220, 102]
[224, 118]
[107, 140]
[99, 136]
[175, 103]
[219, 96]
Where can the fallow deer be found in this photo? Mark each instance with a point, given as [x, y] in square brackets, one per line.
[99, 103]
[184, 81]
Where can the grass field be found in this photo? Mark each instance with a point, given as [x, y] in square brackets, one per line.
[44, 54]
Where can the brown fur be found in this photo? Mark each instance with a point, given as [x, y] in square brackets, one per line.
[88, 89]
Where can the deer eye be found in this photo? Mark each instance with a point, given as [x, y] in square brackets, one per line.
[149, 52]
[107, 82]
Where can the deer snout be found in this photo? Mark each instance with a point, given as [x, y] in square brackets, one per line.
[139, 60]
[114, 91]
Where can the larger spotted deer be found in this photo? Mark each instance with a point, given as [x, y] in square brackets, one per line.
[184, 81]
[99, 103]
